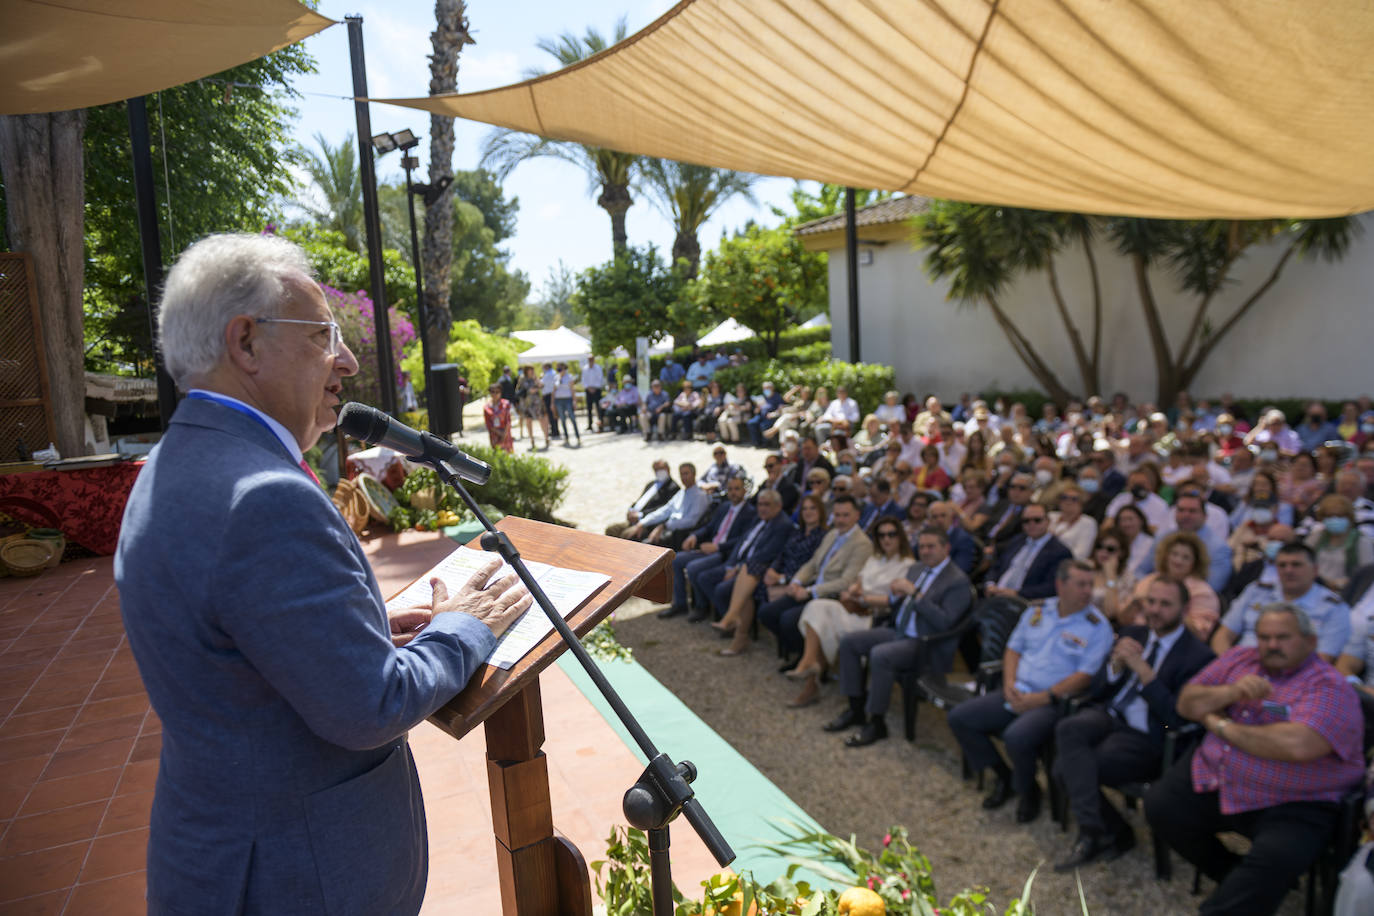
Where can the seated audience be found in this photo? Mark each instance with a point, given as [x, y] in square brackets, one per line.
[825, 621]
[766, 412]
[963, 549]
[712, 407]
[655, 493]
[932, 598]
[706, 548]
[1283, 746]
[759, 544]
[1140, 492]
[1180, 555]
[624, 406]
[656, 412]
[1075, 529]
[718, 472]
[734, 418]
[1056, 648]
[914, 519]
[671, 522]
[775, 480]
[1113, 579]
[841, 414]
[686, 407]
[1296, 574]
[765, 580]
[890, 411]
[1337, 541]
[1189, 515]
[1132, 523]
[809, 457]
[1024, 568]
[930, 476]
[832, 568]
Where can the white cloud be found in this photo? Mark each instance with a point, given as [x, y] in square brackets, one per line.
[486, 70]
[549, 212]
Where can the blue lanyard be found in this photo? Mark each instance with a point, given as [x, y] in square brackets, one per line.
[241, 408]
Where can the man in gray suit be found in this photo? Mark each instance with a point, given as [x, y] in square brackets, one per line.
[285, 693]
[931, 600]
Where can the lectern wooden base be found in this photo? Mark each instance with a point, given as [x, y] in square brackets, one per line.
[541, 872]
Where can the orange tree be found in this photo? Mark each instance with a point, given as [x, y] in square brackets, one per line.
[762, 278]
[633, 295]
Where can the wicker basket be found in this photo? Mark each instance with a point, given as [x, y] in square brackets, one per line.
[352, 505]
[26, 556]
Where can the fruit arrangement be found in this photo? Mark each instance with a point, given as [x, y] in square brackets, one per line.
[426, 504]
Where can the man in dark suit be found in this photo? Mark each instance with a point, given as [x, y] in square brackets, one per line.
[760, 543]
[933, 597]
[775, 480]
[809, 456]
[656, 493]
[963, 549]
[1004, 521]
[709, 545]
[1025, 567]
[1120, 736]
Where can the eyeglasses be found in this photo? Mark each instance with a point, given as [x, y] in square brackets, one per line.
[1036, 520]
[335, 335]
[1017, 486]
[887, 534]
[1069, 498]
[1110, 548]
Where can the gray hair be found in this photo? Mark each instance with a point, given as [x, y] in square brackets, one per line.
[215, 279]
[770, 495]
[1305, 626]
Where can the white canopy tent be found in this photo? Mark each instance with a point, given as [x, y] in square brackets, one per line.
[728, 331]
[552, 346]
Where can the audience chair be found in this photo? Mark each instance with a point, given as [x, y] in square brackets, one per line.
[1359, 583]
[907, 679]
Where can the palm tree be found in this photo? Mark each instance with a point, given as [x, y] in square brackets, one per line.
[609, 171]
[334, 172]
[688, 195]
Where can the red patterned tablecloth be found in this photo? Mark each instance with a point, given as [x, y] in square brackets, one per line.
[86, 505]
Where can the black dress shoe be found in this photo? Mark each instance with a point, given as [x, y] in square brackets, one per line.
[1089, 848]
[788, 664]
[1001, 794]
[697, 616]
[672, 610]
[873, 730]
[1123, 843]
[1028, 807]
[847, 719]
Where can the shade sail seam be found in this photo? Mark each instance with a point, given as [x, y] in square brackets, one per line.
[534, 107]
[958, 106]
[122, 16]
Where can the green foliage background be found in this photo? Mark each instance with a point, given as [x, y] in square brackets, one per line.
[480, 354]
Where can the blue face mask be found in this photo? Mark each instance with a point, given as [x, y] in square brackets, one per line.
[1261, 515]
[1271, 549]
[1090, 484]
[1337, 525]
[844, 469]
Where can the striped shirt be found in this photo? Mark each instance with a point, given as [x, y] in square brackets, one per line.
[1313, 694]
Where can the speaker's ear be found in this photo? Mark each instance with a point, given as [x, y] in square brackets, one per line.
[240, 342]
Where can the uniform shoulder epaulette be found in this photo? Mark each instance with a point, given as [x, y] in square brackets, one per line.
[1332, 598]
[1093, 618]
[1037, 612]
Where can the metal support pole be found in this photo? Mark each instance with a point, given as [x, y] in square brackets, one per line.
[372, 223]
[408, 162]
[851, 263]
[151, 244]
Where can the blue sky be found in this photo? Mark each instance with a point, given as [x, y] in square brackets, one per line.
[558, 217]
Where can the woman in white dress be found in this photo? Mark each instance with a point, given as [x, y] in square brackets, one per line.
[1076, 531]
[824, 621]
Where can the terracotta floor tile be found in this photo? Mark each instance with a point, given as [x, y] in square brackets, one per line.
[112, 687]
[11, 798]
[138, 777]
[17, 680]
[41, 872]
[121, 854]
[127, 812]
[123, 896]
[34, 640]
[24, 654]
[51, 794]
[152, 725]
[148, 747]
[42, 905]
[89, 759]
[102, 730]
[52, 828]
[116, 708]
[30, 745]
[39, 700]
[34, 722]
[23, 772]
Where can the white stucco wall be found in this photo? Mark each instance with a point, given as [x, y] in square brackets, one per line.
[1310, 335]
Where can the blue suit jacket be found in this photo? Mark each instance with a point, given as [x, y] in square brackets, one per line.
[963, 549]
[1188, 656]
[766, 546]
[1039, 581]
[285, 782]
[744, 519]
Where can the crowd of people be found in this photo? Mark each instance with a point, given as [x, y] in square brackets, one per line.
[1156, 568]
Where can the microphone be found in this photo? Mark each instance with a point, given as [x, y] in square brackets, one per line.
[370, 425]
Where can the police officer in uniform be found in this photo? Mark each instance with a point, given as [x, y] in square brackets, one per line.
[1053, 653]
[1296, 568]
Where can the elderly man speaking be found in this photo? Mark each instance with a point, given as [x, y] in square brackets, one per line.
[285, 783]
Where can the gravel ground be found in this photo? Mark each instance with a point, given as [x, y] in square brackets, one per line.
[860, 792]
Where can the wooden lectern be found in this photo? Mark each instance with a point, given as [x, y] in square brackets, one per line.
[542, 872]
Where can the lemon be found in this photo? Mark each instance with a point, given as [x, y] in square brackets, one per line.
[860, 901]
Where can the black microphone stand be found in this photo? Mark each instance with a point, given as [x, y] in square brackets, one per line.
[664, 788]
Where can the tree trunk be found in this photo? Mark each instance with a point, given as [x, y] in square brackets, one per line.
[687, 248]
[1024, 349]
[44, 174]
[1167, 377]
[1087, 369]
[1097, 316]
[615, 199]
[436, 255]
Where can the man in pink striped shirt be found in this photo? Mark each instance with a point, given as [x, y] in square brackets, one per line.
[1283, 746]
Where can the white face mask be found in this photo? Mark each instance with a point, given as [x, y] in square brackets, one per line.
[1269, 454]
[661, 476]
[1043, 476]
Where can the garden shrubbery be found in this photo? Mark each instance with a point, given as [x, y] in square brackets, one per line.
[867, 382]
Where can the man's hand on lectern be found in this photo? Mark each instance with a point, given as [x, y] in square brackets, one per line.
[497, 603]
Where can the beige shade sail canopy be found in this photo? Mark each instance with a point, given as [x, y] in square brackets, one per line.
[64, 54]
[1167, 108]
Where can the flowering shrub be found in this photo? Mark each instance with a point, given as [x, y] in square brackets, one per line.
[356, 315]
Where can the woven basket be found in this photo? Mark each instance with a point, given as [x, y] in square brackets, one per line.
[352, 505]
[26, 556]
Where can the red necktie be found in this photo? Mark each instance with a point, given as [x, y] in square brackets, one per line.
[306, 467]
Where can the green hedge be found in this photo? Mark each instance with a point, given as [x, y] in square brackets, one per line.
[867, 382]
[523, 485]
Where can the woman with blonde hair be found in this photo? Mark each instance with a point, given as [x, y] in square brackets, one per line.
[1181, 555]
